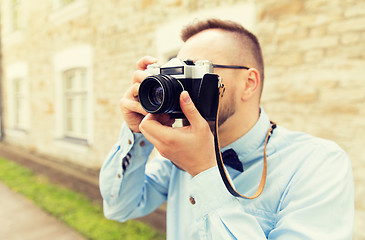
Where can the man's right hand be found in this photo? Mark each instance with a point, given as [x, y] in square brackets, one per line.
[132, 111]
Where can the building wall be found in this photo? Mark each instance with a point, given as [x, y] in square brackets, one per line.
[315, 75]
[314, 56]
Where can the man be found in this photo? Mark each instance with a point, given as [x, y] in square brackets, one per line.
[309, 188]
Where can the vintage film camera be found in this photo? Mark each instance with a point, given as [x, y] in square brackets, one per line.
[160, 92]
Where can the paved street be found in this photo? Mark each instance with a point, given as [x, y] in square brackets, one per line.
[20, 219]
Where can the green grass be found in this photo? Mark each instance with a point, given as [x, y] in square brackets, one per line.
[71, 207]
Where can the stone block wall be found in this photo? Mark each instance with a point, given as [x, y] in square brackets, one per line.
[315, 75]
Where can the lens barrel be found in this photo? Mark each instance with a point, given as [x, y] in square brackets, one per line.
[160, 94]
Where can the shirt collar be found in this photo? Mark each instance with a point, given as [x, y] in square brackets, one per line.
[253, 139]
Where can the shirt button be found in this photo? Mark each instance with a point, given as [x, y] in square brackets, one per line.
[119, 175]
[142, 143]
[129, 142]
[192, 200]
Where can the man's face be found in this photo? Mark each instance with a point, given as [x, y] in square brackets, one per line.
[220, 48]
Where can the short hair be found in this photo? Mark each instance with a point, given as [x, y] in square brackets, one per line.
[247, 39]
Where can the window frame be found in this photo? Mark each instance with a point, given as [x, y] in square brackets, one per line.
[78, 57]
[78, 98]
[12, 31]
[17, 72]
[16, 13]
[19, 102]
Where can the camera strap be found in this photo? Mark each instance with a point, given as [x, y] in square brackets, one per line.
[222, 169]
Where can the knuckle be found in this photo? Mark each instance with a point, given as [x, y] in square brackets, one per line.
[136, 86]
[134, 89]
[140, 62]
[122, 103]
[136, 75]
[139, 76]
[192, 111]
[142, 125]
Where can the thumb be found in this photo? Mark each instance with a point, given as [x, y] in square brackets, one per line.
[189, 109]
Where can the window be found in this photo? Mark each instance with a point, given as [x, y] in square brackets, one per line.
[73, 95]
[17, 97]
[19, 101]
[75, 103]
[15, 15]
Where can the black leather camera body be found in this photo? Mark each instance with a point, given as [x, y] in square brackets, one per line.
[160, 92]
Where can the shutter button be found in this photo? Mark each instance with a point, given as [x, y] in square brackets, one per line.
[192, 200]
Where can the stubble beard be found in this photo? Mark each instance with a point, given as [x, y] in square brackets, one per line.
[225, 112]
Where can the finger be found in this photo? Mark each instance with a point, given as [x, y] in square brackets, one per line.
[145, 128]
[153, 130]
[144, 62]
[139, 76]
[132, 92]
[189, 109]
[128, 106]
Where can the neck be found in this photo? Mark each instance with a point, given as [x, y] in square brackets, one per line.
[237, 125]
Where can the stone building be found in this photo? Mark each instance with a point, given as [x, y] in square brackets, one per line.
[66, 63]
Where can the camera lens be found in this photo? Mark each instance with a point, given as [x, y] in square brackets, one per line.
[156, 95]
[160, 94]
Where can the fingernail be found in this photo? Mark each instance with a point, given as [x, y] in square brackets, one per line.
[186, 98]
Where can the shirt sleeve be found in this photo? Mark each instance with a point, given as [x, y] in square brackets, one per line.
[127, 191]
[319, 200]
[217, 213]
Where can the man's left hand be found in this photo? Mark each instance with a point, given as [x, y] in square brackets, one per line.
[191, 148]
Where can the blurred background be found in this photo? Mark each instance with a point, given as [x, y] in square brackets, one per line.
[66, 63]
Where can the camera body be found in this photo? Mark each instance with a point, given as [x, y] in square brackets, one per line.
[160, 92]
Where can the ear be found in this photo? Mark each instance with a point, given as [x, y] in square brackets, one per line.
[251, 84]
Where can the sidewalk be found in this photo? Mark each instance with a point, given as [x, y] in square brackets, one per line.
[72, 176]
[20, 219]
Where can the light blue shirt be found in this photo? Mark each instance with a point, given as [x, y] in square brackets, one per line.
[309, 192]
